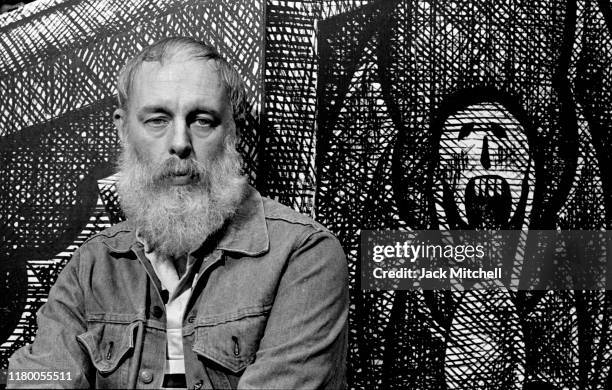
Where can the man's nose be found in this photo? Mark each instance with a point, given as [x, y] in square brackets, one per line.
[180, 144]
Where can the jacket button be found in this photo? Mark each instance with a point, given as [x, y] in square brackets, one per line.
[157, 312]
[191, 319]
[146, 376]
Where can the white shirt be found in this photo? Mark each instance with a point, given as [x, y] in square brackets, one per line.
[179, 290]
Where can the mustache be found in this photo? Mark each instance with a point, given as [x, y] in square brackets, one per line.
[178, 167]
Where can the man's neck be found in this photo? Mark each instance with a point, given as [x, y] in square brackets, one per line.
[180, 263]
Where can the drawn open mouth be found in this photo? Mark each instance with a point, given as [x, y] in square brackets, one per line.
[488, 202]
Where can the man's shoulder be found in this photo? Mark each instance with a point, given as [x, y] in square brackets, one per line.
[286, 224]
[314, 243]
[118, 237]
[275, 211]
[101, 249]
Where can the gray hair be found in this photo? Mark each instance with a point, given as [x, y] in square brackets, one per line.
[167, 48]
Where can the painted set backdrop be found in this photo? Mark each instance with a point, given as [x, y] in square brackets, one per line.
[483, 114]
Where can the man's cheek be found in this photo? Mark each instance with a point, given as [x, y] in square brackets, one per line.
[142, 154]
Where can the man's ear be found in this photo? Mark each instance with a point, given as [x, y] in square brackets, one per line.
[120, 120]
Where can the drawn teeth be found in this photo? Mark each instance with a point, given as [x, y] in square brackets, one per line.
[488, 186]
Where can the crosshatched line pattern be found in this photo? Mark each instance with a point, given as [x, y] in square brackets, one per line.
[400, 73]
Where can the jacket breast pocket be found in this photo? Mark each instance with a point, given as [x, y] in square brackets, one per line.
[232, 344]
[108, 346]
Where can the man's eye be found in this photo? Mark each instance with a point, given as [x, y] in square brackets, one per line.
[203, 122]
[203, 126]
[157, 122]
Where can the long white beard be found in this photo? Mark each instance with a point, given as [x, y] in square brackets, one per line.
[175, 220]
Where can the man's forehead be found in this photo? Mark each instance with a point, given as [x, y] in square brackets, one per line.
[178, 68]
[178, 76]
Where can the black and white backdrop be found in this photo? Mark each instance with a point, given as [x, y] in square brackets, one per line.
[380, 114]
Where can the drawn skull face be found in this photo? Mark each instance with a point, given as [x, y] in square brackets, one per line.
[484, 161]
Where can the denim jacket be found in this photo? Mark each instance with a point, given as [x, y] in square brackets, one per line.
[268, 310]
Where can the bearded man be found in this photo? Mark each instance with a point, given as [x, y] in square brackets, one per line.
[207, 284]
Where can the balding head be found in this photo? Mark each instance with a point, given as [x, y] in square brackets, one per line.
[183, 48]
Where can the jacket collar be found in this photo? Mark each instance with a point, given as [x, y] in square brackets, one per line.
[246, 232]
